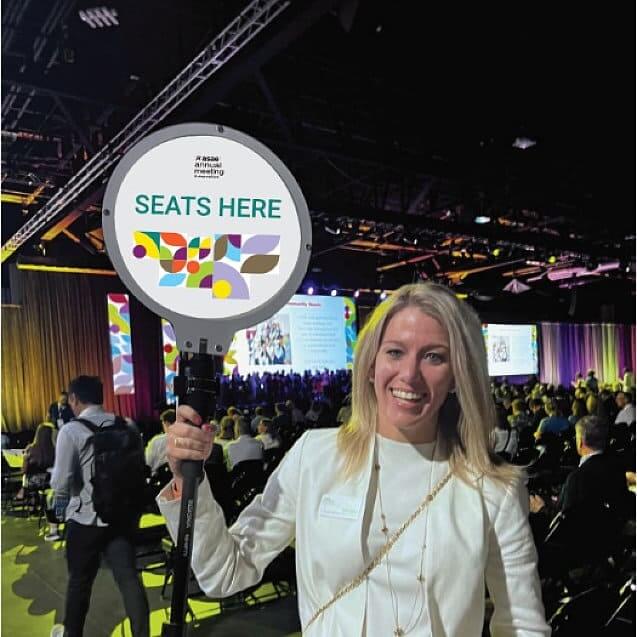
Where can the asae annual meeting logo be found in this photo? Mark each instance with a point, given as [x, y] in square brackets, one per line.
[225, 264]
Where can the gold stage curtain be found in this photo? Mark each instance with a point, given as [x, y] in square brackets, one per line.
[61, 331]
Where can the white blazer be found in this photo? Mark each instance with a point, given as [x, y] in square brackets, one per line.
[476, 535]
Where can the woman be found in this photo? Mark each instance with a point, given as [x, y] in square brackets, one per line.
[578, 411]
[401, 514]
[38, 457]
[226, 427]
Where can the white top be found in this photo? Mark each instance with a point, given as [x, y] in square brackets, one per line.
[405, 469]
[477, 532]
[156, 451]
[626, 415]
[243, 448]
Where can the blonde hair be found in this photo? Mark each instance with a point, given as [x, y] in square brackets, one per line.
[466, 434]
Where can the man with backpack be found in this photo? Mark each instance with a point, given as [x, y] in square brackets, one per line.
[99, 471]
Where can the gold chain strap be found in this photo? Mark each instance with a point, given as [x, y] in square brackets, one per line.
[359, 579]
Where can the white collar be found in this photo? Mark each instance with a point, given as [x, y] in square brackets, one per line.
[583, 459]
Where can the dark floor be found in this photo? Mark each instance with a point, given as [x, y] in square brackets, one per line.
[34, 582]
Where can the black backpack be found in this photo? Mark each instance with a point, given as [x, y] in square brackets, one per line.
[119, 472]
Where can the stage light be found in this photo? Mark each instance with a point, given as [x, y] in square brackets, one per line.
[310, 290]
[357, 293]
[523, 143]
[516, 287]
[333, 292]
[482, 219]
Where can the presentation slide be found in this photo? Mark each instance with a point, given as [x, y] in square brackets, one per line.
[309, 333]
[511, 349]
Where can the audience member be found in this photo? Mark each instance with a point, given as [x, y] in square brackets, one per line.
[506, 438]
[626, 408]
[296, 414]
[599, 479]
[156, 448]
[265, 435]
[554, 423]
[536, 405]
[244, 447]
[591, 381]
[258, 415]
[281, 423]
[578, 410]
[38, 458]
[628, 381]
[226, 435]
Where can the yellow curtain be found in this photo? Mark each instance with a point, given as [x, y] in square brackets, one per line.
[61, 331]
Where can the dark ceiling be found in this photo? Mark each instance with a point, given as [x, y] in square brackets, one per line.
[398, 122]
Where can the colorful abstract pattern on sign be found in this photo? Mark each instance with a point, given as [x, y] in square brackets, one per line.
[223, 263]
[121, 347]
[171, 360]
[349, 308]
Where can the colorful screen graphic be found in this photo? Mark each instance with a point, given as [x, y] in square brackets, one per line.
[121, 347]
[309, 333]
[171, 360]
[511, 349]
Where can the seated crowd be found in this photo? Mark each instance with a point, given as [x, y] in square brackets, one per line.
[577, 444]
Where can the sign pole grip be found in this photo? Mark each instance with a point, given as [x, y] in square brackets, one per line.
[197, 387]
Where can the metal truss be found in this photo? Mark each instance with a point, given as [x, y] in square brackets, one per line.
[252, 20]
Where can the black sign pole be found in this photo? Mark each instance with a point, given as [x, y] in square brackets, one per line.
[197, 387]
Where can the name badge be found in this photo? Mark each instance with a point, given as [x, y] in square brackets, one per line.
[340, 506]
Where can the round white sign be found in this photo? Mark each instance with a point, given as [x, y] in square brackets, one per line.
[204, 222]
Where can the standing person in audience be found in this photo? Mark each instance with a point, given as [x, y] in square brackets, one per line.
[401, 515]
[88, 538]
[244, 446]
[579, 382]
[156, 448]
[626, 408]
[60, 412]
[591, 381]
[628, 381]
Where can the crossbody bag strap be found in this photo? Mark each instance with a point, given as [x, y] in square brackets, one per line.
[359, 579]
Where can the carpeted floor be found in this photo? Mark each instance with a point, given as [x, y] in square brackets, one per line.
[34, 584]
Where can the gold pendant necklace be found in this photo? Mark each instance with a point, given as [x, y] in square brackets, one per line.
[399, 631]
